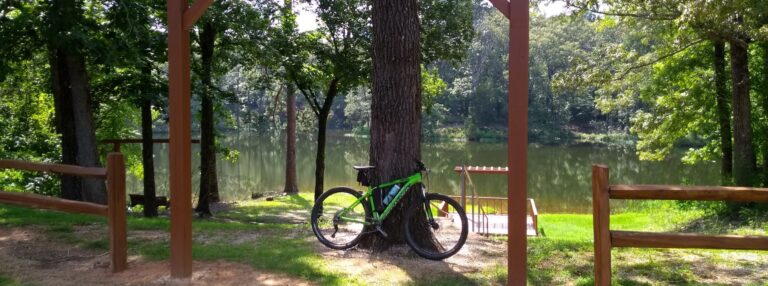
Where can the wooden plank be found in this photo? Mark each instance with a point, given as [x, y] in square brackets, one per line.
[687, 240]
[118, 230]
[54, 168]
[502, 6]
[601, 224]
[43, 202]
[698, 193]
[195, 12]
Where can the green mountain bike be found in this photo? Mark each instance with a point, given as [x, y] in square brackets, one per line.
[342, 215]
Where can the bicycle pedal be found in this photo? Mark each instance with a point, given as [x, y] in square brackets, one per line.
[381, 230]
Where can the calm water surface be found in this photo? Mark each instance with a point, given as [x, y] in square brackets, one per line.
[558, 177]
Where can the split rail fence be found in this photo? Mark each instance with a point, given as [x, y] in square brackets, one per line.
[115, 210]
[605, 238]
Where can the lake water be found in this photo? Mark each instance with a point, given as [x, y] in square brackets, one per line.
[559, 178]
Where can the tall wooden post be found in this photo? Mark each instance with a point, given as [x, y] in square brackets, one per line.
[118, 241]
[180, 154]
[517, 137]
[601, 224]
[181, 18]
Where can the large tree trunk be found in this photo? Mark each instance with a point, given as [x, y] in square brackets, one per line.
[62, 97]
[723, 112]
[744, 155]
[764, 102]
[291, 185]
[322, 126]
[396, 109]
[93, 190]
[73, 102]
[208, 183]
[148, 161]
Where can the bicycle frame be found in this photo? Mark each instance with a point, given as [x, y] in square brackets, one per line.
[379, 217]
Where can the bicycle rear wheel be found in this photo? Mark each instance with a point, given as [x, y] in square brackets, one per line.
[334, 224]
[444, 235]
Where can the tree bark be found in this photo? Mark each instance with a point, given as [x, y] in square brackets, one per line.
[764, 101]
[291, 185]
[93, 190]
[743, 152]
[723, 112]
[62, 97]
[322, 126]
[396, 109]
[73, 102]
[147, 156]
[208, 182]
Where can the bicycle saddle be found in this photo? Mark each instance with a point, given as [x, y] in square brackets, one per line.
[361, 168]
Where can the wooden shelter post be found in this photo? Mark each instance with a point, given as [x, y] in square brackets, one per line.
[517, 137]
[181, 18]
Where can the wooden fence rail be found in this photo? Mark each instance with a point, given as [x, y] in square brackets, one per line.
[114, 210]
[605, 239]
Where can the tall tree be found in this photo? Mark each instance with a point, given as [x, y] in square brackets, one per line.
[744, 165]
[225, 35]
[395, 106]
[288, 22]
[209, 187]
[291, 182]
[671, 29]
[137, 50]
[763, 92]
[339, 63]
[71, 90]
[723, 110]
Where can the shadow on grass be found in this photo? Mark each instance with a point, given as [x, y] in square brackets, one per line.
[301, 201]
[669, 272]
[727, 223]
[440, 272]
[294, 257]
[292, 209]
[552, 261]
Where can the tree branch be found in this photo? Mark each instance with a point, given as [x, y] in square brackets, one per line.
[659, 59]
[648, 16]
[309, 97]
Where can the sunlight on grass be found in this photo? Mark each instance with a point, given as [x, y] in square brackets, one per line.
[561, 255]
[7, 281]
[294, 257]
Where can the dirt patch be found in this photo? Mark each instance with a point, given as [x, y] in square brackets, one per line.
[400, 265]
[30, 256]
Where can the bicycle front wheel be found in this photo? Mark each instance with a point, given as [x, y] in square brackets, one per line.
[334, 223]
[441, 237]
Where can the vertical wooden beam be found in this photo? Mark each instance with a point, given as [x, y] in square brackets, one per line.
[601, 223]
[118, 243]
[180, 148]
[517, 142]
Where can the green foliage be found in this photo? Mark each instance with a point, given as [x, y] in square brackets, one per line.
[680, 103]
[27, 119]
[431, 87]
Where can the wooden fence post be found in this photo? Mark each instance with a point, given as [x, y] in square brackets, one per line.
[118, 243]
[601, 224]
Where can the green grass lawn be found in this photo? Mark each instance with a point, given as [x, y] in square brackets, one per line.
[7, 281]
[283, 243]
